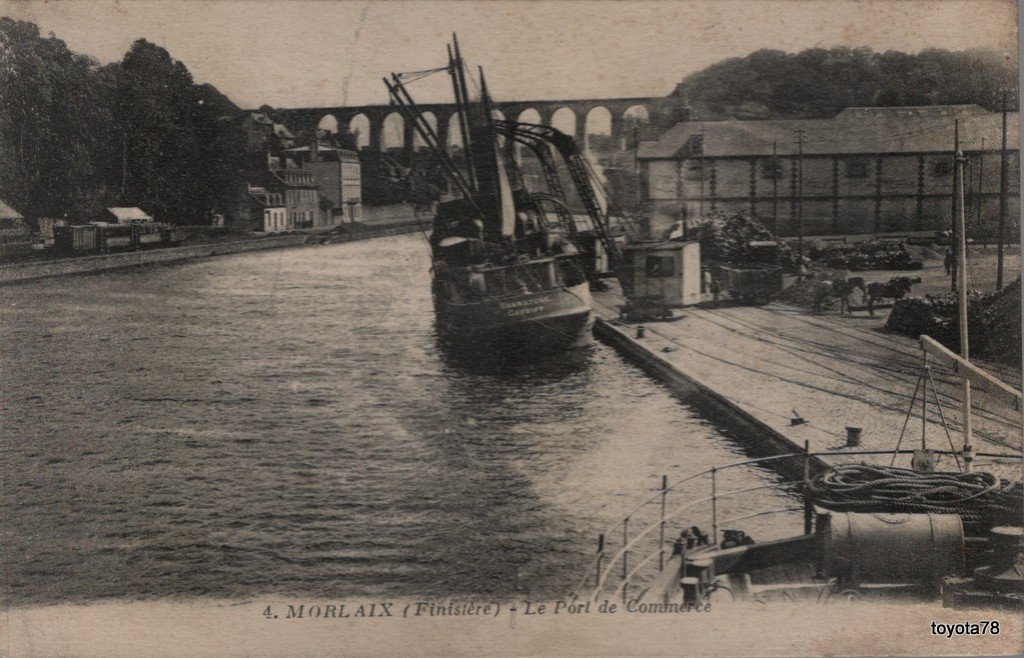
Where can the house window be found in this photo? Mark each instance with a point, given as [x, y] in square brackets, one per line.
[942, 168]
[660, 266]
[857, 169]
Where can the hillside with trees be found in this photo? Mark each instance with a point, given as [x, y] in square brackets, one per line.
[76, 136]
[819, 83]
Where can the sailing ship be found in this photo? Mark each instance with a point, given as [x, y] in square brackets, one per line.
[507, 270]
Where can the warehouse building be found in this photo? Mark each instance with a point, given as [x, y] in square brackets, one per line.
[864, 171]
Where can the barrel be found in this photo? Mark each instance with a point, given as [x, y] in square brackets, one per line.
[893, 548]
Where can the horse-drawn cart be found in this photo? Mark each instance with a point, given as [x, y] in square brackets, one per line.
[752, 283]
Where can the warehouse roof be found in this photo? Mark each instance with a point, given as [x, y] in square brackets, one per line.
[854, 130]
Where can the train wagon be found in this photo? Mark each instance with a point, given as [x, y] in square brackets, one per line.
[117, 237]
[171, 235]
[751, 283]
[149, 235]
[75, 240]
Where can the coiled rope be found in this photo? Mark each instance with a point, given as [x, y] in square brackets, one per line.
[981, 499]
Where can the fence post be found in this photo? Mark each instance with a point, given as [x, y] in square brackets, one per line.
[625, 556]
[661, 532]
[808, 507]
[600, 560]
[714, 508]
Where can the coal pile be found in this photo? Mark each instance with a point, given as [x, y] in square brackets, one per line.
[993, 321]
[726, 239]
[872, 255]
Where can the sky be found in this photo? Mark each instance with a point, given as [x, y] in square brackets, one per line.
[320, 53]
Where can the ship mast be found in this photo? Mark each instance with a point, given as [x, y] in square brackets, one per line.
[458, 73]
[961, 233]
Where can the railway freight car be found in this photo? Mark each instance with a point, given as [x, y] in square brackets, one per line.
[150, 234]
[99, 237]
[75, 240]
[117, 237]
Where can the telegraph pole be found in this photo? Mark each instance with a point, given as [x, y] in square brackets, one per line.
[954, 238]
[636, 166]
[961, 224]
[1002, 202]
[981, 182]
[800, 194]
[702, 170]
[775, 189]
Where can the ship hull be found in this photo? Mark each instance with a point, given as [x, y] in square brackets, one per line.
[556, 319]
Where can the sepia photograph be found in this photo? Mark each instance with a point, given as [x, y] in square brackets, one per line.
[496, 328]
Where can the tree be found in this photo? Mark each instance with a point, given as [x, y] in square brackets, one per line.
[819, 82]
[52, 124]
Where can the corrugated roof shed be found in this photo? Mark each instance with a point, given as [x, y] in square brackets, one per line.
[7, 212]
[854, 130]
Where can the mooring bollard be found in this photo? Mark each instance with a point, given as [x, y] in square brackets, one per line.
[640, 331]
[852, 437]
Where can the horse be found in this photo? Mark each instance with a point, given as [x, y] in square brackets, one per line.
[843, 288]
[821, 291]
[840, 289]
[857, 283]
[896, 289]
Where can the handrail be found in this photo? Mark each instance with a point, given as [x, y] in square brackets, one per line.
[653, 554]
[593, 564]
[773, 511]
[692, 476]
[666, 488]
[633, 541]
[823, 453]
[625, 581]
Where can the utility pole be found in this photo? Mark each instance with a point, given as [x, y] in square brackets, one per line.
[636, 167]
[1002, 202]
[800, 194]
[961, 223]
[701, 170]
[981, 182]
[954, 239]
[775, 189]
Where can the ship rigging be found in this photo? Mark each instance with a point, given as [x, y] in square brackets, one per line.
[509, 268]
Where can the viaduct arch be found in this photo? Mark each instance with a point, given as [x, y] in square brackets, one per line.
[661, 111]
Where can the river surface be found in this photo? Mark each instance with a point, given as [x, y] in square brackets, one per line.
[284, 423]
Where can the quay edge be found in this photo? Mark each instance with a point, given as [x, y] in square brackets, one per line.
[31, 270]
[762, 440]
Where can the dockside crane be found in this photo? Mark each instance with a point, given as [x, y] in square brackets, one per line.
[537, 137]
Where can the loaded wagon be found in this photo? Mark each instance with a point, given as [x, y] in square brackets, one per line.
[752, 283]
[115, 237]
[75, 240]
[171, 235]
[149, 234]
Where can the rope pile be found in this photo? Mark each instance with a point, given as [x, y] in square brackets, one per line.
[981, 499]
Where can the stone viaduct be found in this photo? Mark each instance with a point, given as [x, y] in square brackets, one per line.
[661, 112]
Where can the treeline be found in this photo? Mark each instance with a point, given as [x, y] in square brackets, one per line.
[76, 136]
[819, 83]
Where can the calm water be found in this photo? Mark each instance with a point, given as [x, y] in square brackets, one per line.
[284, 423]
